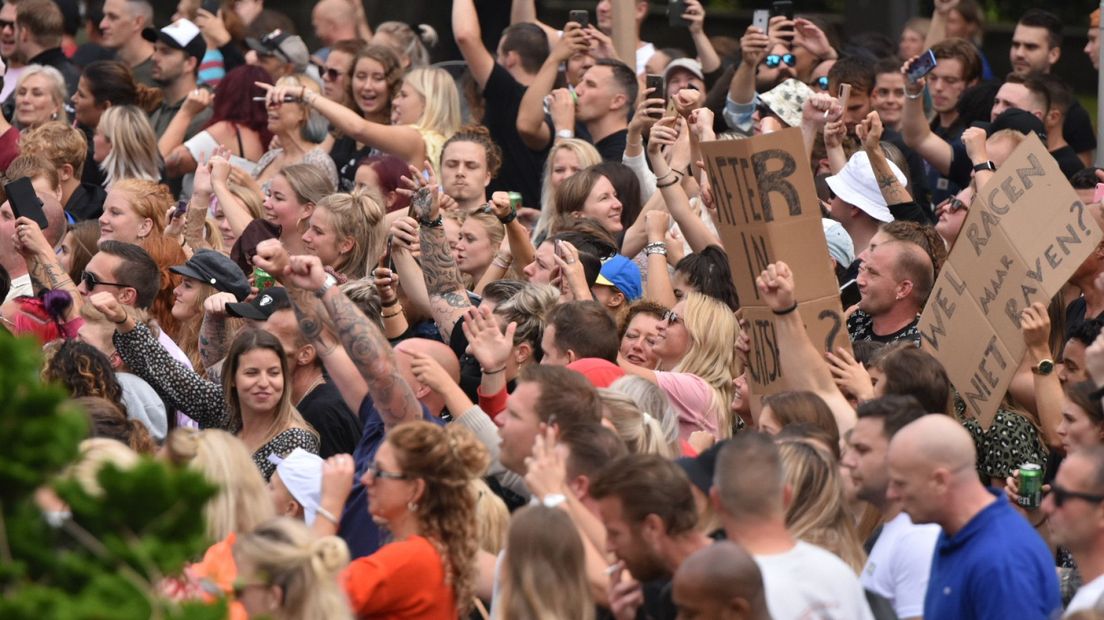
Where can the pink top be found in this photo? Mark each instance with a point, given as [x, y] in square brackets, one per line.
[692, 398]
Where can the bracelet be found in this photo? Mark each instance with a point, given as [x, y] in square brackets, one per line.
[658, 247]
[388, 304]
[437, 223]
[916, 96]
[660, 178]
[502, 266]
[786, 311]
[326, 514]
[393, 314]
[634, 145]
[509, 218]
[669, 183]
[491, 372]
[126, 317]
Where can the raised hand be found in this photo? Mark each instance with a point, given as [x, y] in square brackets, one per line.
[870, 131]
[664, 132]
[337, 479]
[404, 235]
[813, 38]
[305, 271]
[215, 305]
[574, 41]
[545, 468]
[197, 101]
[429, 372]
[423, 192]
[776, 285]
[657, 223]
[850, 375]
[29, 240]
[695, 14]
[753, 46]
[272, 256]
[490, 346]
[387, 283]
[1035, 325]
[108, 306]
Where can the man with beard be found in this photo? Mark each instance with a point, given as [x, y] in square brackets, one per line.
[177, 51]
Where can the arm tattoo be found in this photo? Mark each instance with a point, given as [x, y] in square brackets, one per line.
[447, 296]
[374, 358]
[886, 180]
[306, 311]
[214, 339]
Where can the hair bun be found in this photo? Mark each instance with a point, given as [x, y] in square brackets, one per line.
[471, 456]
[55, 302]
[428, 35]
[328, 555]
[182, 445]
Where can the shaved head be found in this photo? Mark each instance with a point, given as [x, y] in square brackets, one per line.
[720, 581]
[932, 462]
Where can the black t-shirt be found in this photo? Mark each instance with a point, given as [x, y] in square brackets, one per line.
[345, 156]
[521, 168]
[86, 202]
[471, 375]
[1075, 315]
[1078, 129]
[861, 327]
[1068, 161]
[612, 147]
[337, 426]
[942, 187]
[659, 601]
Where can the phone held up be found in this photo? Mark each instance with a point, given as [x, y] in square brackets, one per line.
[579, 17]
[675, 9]
[25, 202]
[921, 67]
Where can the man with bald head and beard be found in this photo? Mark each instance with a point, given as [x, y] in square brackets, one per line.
[720, 582]
[988, 562]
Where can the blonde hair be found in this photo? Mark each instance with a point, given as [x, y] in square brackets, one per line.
[651, 399]
[818, 514]
[492, 516]
[412, 46]
[187, 331]
[57, 88]
[544, 569]
[712, 354]
[640, 431]
[57, 142]
[285, 553]
[442, 101]
[357, 216]
[313, 127]
[94, 454]
[242, 502]
[587, 156]
[134, 153]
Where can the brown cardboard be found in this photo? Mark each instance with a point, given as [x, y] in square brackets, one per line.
[1024, 236]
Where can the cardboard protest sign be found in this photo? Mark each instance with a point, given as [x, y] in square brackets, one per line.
[1025, 235]
[767, 211]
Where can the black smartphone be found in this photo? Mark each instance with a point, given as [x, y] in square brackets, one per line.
[212, 6]
[657, 82]
[579, 17]
[675, 9]
[181, 207]
[921, 67]
[782, 7]
[25, 202]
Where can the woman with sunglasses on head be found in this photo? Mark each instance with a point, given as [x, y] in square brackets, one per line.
[300, 131]
[253, 399]
[419, 488]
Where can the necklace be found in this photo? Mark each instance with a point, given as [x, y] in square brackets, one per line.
[317, 382]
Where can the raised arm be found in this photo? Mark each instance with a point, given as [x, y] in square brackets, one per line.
[517, 236]
[694, 230]
[1049, 397]
[937, 30]
[530, 119]
[753, 47]
[918, 135]
[707, 54]
[469, 38]
[197, 101]
[870, 132]
[42, 263]
[802, 364]
[525, 11]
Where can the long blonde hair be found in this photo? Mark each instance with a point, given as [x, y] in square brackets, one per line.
[442, 100]
[134, 153]
[242, 502]
[587, 156]
[818, 513]
[712, 354]
[357, 216]
[446, 460]
[544, 570]
[286, 554]
[492, 516]
[641, 432]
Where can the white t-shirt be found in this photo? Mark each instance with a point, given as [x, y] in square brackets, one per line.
[1087, 597]
[20, 287]
[900, 563]
[808, 582]
[643, 55]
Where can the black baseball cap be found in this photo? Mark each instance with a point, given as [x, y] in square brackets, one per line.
[216, 269]
[263, 305]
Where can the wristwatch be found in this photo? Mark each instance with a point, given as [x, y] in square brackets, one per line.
[566, 134]
[985, 165]
[1043, 368]
[327, 285]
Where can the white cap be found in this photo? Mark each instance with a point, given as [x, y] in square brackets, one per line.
[856, 185]
[301, 473]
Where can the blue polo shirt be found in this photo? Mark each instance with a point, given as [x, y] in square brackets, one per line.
[359, 531]
[997, 566]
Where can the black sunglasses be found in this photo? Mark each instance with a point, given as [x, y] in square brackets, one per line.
[6, 24]
[1062, 495]
[773, 60]
[953, 204]
[386, 475]
[330, 74]
[91, 281]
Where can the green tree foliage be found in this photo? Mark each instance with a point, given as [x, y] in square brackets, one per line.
[109, 559]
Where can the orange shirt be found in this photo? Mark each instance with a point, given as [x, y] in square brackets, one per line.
[404, 579]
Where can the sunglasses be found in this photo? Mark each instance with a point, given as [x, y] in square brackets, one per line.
[4, 24]
[91, 281]
[330, 74]
[821, 83]
[773, 60]
[1062, 495]
[671, 317]
[951, 205]
[386, 475]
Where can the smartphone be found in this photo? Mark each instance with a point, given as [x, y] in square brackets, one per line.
[921, 67]
[660, 92]
[844, 95]
[579, 17]
[24, 201]
[181, 207]
[212, 6]
[385, 258]
[675, 9]
[761, 19]
[782, 7]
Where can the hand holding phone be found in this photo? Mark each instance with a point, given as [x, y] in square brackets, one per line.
[920, 67]
[579, 17]
[761, 20]
[675, 9]
[657, 83]
[25, 202]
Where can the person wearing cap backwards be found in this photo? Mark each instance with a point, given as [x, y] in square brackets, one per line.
[122, 26]
[39, 28]
[177, 51]
[618, 284]
[280, 53]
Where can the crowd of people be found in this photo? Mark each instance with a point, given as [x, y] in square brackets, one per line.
[463, 340]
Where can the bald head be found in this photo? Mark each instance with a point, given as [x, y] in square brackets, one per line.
[409, 351]
[910, 262]
[55, 218]
[336, 11]
[939, 441]
[720, 581]
[932, 472]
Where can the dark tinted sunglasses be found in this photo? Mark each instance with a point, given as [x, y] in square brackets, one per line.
[951, 204]
[5, 24]
[91, 281]
[773, 60]
[330, 74]
[1061, 496]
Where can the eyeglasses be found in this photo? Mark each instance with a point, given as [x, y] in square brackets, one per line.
[91, 281]
[330, 74]
[821, 83]
[773, 60]
[951, 205]
[5, 24]
[386, 475]
[671, 317]
[1061, 495]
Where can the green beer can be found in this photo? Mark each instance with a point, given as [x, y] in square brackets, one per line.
[1031, 486]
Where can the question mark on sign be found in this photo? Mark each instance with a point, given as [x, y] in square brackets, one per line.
[834, 331]
[1079, 207]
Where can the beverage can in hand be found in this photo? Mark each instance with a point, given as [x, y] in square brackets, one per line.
[1031, 486]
